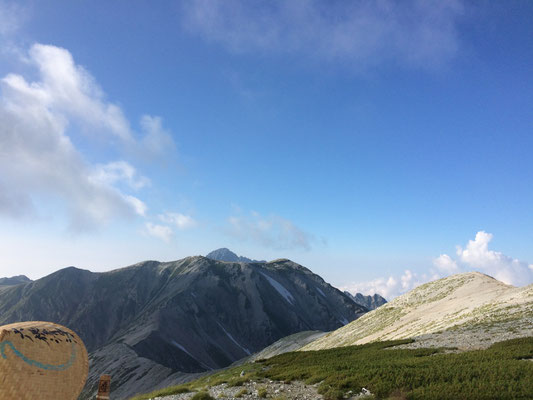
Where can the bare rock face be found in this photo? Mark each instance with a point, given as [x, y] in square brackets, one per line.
[156, 322]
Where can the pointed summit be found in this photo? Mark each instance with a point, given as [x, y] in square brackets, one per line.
[224, 254]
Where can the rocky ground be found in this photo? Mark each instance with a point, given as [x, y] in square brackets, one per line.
[472, 338]
[263, 389]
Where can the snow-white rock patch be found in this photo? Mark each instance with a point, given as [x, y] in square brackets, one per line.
[280, 288]
[233, 340]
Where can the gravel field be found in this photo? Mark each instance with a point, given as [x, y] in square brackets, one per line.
[251, 390]
[471, 338]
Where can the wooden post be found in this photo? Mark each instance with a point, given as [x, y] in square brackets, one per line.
[104, 387]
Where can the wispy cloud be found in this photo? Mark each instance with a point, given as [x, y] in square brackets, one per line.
[38, 157]
[162, 232]
[156, 143]
[363, 33]
[392, 286]
[270, 231]
[171, 220]
[11, 17]
[119, 171]
[474, 256]
[180, 221]
[446, 265]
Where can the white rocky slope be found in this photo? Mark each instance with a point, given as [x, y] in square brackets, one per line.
[475, 306]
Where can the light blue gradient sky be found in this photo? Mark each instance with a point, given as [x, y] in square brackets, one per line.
[360, 139]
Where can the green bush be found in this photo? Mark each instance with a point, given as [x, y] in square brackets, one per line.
[202, 396]
[330, 393]
[237, 382]
[262, 392]
[164, 392]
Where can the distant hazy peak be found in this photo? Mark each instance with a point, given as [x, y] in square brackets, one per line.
[224, 254]
[370, 302]
[14, 280]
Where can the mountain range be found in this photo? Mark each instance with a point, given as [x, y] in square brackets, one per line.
[153, 324]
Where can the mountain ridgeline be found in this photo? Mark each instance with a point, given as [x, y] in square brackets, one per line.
[224, 254]
[468, 310]
[14, 280]
[151, 323]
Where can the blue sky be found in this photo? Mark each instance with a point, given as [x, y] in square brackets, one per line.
[364, 140]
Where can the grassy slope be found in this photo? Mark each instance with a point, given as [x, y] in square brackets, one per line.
[503, 371]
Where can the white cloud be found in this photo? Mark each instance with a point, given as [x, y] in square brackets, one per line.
[162, 232]
[138, 205]
[119, 171]
[181, 221]
[38, 159]
[475, 256]
[271, 231]
[362, 33]
[445, 264]
[390, 287]
[70, 89]
[157, 142]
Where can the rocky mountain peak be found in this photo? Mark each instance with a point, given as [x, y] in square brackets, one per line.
[225, 254]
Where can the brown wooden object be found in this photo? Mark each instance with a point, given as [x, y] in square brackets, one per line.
[104, 387]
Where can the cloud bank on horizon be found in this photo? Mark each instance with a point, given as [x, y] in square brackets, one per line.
[475, 256]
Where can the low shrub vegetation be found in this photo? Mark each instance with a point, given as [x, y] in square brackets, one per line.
[262, 392]
[497, 372]
[503, 371]
[202, 396]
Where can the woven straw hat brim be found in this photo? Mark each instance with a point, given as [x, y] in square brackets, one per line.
[41, 360]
